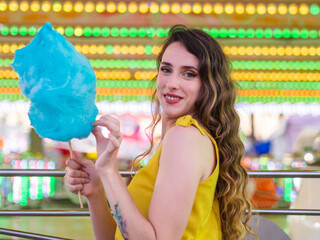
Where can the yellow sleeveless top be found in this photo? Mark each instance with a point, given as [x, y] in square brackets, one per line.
[204, 222]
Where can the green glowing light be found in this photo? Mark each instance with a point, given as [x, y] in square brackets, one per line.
[314, 9]
[32, 31]
[23, 31]
[114, 32]
[69, 31]
[87, 31]
[105, 32]
[14, 30]
[96, 31]
[133, 32]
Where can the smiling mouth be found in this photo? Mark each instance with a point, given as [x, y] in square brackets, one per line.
[170, 97]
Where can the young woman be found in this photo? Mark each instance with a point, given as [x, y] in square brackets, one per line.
[194, 186]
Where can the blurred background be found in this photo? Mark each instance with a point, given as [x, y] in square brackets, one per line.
[274, 49]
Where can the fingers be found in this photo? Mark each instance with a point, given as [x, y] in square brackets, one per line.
[83, 162]
[71, 163]
[115, 140]
[74, 179]
[109, 122]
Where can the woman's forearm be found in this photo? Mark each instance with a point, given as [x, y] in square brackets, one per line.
[132, 224]
[102, 220]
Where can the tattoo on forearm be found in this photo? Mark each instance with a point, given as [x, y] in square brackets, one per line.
[120, 221]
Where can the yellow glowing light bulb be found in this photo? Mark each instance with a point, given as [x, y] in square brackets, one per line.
[218, 8]
[303, 9]
[3, 6]
[272, 9]
[261, 9]
[67, 6]
[265, 51]
[132, 50]
[89, 7]
[207, 8]
[281, 51]
[228, 8]
[101, 49]
[46, 6]
[35, 6]
[312, 51]
[117, 49]
[318, 51]
[250, 51]
[13, 48]
[13, 6]
[122, 7]
[24, 6]
[78, 7]
[111, 7]
[5, 48]
[132, 7]
[85, 49]
[124, 49]
[156, 50]
[239, 8]
[234, 50]
[293, 9]
[93, 49]
[154, 7]
[242, 50]
[164, 8]
[77, 47]
[289, 51]
[304, 51]
[143, 7]
[56, 7]
[282, 9]
[100, 7]
[175, 8]
[140, 50]
[250, 8]
[296, 51]
[186, 8]
[60, 30]
[197, 8]
[78, 31]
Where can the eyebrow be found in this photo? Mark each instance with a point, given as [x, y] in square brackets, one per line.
[185, 67]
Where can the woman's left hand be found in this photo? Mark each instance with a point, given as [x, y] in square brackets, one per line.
[107, 148]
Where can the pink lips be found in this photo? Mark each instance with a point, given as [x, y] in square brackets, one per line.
[172, 101]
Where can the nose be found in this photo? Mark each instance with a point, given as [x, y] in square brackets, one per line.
[172, 82]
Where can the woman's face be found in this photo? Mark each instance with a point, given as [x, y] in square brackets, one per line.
[178, 81]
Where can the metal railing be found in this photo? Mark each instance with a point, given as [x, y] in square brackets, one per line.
[61, 173]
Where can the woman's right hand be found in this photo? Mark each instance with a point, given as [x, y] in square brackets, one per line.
[82, 176]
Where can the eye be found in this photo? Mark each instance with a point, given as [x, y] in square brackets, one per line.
[190, 74]
[165, 70]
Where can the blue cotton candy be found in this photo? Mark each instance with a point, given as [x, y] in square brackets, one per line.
[61, 85]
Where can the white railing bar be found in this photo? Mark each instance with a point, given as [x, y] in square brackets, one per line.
[28, 235]
[252, 174]
[77, 213]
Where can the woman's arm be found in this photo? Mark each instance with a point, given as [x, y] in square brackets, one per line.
[183, 163]
[82, 176]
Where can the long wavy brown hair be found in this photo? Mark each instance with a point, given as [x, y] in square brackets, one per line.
[215, 111]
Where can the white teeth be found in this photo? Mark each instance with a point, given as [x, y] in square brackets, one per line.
[172, 98]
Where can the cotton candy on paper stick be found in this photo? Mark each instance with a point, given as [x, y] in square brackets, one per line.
[61, 85]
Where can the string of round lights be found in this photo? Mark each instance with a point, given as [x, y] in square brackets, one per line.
[125, 49]
[236, 64]
[160, 32]
[155, 7]
[236, 75]
[146, 84]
